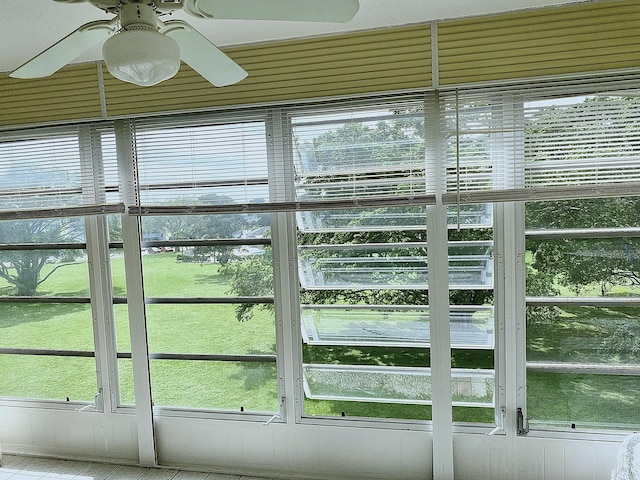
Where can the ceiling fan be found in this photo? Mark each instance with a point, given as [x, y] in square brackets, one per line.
[140, 48]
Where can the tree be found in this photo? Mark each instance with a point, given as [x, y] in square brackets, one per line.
[251, 277]
[22, 268]
[197, 227]
[579, 263]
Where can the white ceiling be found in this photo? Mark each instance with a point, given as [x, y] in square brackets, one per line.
[30, 26]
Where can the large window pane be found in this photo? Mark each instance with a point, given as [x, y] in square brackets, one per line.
[47, 345]
[583, 315]
[210, 315]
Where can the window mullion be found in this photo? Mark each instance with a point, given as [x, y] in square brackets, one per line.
[510, 312]
[440, 325]
[283, 234]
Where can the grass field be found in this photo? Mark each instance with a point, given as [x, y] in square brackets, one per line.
[235, 386]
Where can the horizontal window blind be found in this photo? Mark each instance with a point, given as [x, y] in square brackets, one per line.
[323, 157]
[198, 161]
[555, 141]
[522, 142]
[56, 172]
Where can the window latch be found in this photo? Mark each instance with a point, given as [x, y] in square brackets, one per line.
[522, 423]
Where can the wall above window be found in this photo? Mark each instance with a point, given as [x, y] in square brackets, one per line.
[581, 38]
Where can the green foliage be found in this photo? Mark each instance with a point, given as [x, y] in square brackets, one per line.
[623, 342]
[605, 265]
[579, 263]
[250, 277]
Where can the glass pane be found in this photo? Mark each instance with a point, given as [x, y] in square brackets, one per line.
[370, 152]
[52, 326]
[585, 267]
[114, 223]
[234, 386]
[110, 162]
[614, 212]
[583, 401]
[581, 140]
[391, 218]
[42, 171]
[44, 273]
[345, 408]
[473, 415]
[48, 378]
[394, 266]
[125, 375]
[52, 271]
[122, 328]
[400, 325]
[212, 329]
[202, 227]
[118, 277]
[583, 334]
[43, 230]
[394, 384]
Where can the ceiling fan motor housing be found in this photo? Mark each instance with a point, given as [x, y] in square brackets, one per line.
[134, 14]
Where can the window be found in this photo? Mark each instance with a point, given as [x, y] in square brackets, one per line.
[364, 273]
[210, 317]
[47, 346]
[320, 218]
[48, 177]
[208, 279]
[583, 327]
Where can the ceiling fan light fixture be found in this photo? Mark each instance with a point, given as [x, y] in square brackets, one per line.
[142, 57]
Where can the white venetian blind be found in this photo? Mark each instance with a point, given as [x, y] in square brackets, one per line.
[542, 143]
[56, 172]
[200, 161]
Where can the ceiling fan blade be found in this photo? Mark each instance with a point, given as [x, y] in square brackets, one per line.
[202, 55]
[66, 50]
[294, 10]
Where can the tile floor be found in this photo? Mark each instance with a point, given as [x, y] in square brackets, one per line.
[16, 467]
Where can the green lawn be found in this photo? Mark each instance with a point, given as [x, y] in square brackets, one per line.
[208, 329]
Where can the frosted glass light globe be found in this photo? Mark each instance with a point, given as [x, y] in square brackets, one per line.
[141, 57]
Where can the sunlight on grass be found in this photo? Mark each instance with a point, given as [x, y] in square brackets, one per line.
[48, 378]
